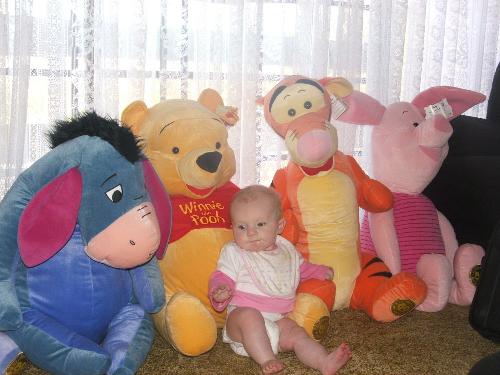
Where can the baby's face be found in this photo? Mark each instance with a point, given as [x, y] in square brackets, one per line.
[256, 225]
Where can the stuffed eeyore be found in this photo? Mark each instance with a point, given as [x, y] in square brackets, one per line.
[78, 230]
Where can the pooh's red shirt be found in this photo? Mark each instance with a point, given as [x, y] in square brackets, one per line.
[210, 212]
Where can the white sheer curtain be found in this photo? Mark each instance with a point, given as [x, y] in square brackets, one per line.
[61, 57]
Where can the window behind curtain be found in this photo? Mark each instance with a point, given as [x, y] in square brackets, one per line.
[61, 57]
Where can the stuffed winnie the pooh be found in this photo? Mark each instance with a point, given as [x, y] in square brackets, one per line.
[186, 142]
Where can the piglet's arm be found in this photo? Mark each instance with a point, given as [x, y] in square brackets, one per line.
[385, 239]
[148, 286]
[372, 195]
[449, 237]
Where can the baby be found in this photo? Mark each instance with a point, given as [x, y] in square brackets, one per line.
[256, 279]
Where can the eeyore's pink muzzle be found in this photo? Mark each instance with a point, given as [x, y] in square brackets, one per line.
[129, 241]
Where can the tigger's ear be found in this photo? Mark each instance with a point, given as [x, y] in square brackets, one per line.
[338, 86]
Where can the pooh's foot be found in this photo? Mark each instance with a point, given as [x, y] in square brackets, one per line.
[467, 269]
[187, 324]
[396, 297]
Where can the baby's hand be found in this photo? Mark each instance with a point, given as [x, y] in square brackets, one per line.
[222, 293]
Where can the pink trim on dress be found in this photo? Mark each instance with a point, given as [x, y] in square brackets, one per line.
[263, 303]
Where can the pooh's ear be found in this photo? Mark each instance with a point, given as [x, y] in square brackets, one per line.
[133, 116]
[211, 99]
[338, 86]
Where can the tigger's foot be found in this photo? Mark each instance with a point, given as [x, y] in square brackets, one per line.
[396, 297]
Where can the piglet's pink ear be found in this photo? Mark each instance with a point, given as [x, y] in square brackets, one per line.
[49, 219]
[459, 99]
[362, 109]
[161, 203]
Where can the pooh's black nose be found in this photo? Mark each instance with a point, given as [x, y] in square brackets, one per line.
[209, 161]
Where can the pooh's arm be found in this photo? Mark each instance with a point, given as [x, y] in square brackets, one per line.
[372, 195]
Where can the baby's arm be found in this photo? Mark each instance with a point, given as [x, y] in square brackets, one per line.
[315, 271]
[220, 290]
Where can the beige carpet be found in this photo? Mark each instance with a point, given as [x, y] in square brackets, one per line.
[418, 344]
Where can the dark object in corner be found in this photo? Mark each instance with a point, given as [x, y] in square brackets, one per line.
[484, 313]
[467, 187]
[489, 365]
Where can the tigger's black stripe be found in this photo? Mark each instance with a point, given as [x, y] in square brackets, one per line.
[384, 274]
[312, 83]
[275, 95]
[373, 260]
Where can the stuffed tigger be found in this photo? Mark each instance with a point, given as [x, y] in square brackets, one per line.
[322, 190]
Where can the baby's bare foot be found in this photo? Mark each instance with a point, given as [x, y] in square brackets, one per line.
[336, 359]
[273, 366]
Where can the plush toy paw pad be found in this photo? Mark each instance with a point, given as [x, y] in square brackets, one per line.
[311, 313]
[398, 296]
[17, 366]
[191, 327]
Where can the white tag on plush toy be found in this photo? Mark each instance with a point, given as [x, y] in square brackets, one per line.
[338, 107]
[442, 107]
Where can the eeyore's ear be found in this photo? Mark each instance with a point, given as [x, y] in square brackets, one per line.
[161, 203]
[49, 219]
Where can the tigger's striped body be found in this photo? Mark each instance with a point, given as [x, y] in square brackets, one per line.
[325, 211]
[322, 190]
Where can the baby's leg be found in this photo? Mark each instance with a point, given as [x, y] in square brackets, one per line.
[310, 352]
[246, 325]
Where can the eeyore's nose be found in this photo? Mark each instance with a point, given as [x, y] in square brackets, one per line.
[209, 161]
[129, 241]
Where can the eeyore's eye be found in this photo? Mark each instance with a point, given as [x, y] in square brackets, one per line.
[415, 124]
[307, 105]
[291, 112]
[115, 194]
